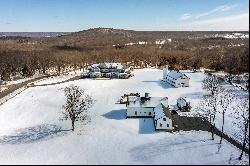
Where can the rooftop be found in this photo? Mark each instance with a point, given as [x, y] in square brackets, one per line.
[108, 65]
[135, 101]
[176, 74]
[182, 101]
[161, 111]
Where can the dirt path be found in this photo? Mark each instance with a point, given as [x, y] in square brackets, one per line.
[12, 88]
[196, 123]
[68, 80]
[25, 85]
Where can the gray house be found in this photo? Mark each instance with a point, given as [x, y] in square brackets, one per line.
[109, 70]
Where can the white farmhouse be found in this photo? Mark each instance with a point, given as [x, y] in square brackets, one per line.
[150, 107]
[143, 106]
[175, 78]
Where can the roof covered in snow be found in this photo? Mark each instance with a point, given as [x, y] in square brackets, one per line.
[182, 102]
[133, 98]
[176, 74]
[135, 101]
[108, 65]
[161, 111]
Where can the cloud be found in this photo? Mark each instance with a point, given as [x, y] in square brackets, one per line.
[221, 8]
[218, 9]
[185, 17]
[238, 22]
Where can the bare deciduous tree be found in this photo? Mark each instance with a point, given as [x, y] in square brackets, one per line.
[211, 83]
[77, 103]
[226, 97]
[241, 116]
[210, 102]
[209, 106]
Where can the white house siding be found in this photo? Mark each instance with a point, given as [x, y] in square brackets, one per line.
[180, 82]
[140, 112]
[175, 78]
[160, 124]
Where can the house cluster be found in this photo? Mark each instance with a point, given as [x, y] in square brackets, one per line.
[149, 107]
[175, 78]
[153, 107]
[108, 70]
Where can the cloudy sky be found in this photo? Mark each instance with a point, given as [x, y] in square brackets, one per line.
[75, 15]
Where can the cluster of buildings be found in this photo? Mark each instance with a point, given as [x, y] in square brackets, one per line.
[108, 70]
[145, 106]
[153, 107]
[149, 107]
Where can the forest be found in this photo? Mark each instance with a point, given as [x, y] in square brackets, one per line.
[185, 50]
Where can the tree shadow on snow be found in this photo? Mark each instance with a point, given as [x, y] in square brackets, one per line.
[146, 126]
[33, 134]
[161, 83]
[116, 114]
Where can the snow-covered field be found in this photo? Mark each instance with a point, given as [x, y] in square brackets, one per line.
[31, 132]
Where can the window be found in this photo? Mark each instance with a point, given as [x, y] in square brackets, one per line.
[164, 119]
[135, 112]
[167, 125]
[149, 113]
[160, 125]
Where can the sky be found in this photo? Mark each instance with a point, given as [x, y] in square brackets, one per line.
[144, 15]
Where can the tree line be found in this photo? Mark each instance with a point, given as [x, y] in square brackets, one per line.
[180, 54]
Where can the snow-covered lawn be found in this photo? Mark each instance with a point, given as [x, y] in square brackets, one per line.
[31, 132]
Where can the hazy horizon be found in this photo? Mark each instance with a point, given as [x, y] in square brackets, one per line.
[130, 30]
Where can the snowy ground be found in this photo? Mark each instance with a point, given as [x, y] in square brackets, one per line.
[31, 132]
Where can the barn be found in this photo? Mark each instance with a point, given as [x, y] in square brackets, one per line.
[175, 78]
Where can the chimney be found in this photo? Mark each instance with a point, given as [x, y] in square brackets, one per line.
[165, 71]
[166, 68]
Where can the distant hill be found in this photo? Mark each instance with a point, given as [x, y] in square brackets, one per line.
[106, 37]
[33, 34]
